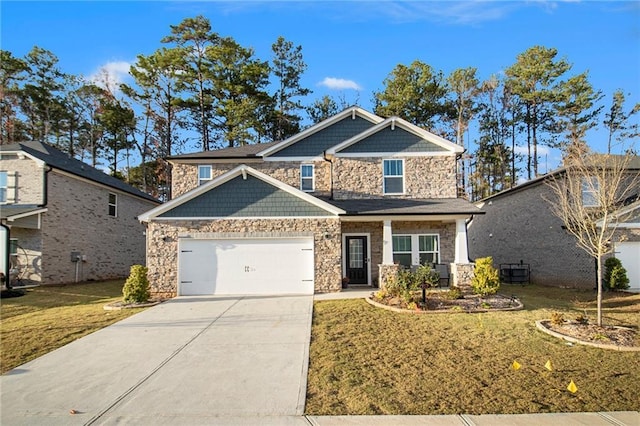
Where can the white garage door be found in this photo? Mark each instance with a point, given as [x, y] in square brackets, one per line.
[245, 266]
[629, 255]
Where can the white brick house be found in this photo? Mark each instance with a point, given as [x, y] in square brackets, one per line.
[347, 199]
[68, 222]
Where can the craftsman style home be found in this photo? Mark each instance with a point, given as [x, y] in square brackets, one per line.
[348, 200]
[66, 221]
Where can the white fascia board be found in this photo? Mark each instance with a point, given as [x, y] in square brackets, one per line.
[231, 174]
[622, 212]
[405, 125]
[319, 126]
[27, 214]
[293, 159]
[168, 219]
[20, 152]
[393, 154]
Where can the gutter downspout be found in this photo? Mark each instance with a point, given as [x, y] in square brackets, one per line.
[45, 187]
[325, 158]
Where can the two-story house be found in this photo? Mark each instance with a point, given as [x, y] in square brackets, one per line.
[67, 221]
[348, 199]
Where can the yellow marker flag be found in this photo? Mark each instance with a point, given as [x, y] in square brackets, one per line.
[572, 387]
[548, 366]
[515, 365]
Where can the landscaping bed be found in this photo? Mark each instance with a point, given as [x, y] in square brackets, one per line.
[441, 301]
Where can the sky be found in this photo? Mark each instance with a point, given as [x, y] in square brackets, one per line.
[349, 47]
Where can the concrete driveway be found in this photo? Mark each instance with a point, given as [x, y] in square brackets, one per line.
[190, 360]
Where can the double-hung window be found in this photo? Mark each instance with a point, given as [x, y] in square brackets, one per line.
[393, 176]
[307, 183]
[590, 188]
[113, 204]
[204, 174]
[416, 249]
[3, 187]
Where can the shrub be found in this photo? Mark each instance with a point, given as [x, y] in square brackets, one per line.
[136, 288]
[557, 318]
[485, 279]
[615, 275]
[452, 294]
[425, 274]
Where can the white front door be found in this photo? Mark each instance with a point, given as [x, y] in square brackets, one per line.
[246, 266]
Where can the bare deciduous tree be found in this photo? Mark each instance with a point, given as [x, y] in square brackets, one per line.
[585, 197]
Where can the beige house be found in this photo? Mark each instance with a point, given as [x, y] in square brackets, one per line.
[67, 221]
[344, 201]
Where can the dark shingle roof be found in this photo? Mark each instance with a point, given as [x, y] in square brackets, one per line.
[400, 206]
[246, 151]
[59, 160]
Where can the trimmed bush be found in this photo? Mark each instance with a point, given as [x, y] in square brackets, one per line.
[615, 275]
[136, 288]
[485, 280]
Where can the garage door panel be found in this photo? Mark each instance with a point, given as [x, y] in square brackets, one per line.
[259, 266]
[629, 254]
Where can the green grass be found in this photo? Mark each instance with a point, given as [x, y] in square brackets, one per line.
[366, 360]
[49, 317]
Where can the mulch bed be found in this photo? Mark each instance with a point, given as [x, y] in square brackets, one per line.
[598, 335]
[438, 302]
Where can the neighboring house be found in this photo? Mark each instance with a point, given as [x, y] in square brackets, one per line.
[68, 221]
[348, 199]
[519, 226]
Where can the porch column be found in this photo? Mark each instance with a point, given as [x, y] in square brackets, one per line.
[387, 243]
[462, 253]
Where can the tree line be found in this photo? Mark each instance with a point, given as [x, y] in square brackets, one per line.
[201, 90]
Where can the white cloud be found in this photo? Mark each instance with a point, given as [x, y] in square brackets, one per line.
[111, 75]
[542, 150]
[339, 84]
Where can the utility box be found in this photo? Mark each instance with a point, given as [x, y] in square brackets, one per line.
[75, 256]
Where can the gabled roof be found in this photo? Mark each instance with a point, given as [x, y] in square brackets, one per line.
[211, 207]
[50, 156]
[352, 112]
[423, 140]
[625, 217]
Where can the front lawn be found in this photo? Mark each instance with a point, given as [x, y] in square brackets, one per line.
[47, 318]
[366, 360]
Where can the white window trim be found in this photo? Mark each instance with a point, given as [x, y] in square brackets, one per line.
[313, 177]
[384, 189]
[115, 205]
[204, 180]
[415, 247]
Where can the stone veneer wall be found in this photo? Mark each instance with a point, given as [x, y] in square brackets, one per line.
[185, 176]
[77, 220]
[162, 246]
[386, 272]
[425, 177]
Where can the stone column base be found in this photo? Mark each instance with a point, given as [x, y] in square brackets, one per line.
[462, 274]
[385, 272]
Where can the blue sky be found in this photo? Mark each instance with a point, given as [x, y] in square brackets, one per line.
[349, 46]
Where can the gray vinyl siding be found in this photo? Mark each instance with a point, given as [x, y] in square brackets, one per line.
[317, 143]
[246, 198]
[397, 140]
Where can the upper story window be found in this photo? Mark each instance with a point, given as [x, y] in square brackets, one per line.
[204, 174]
[113, 204]
[3, 187]
[393, 176]
[307, 183]
[590, 187]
